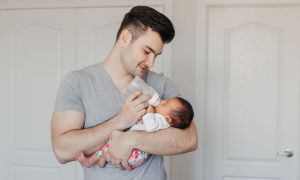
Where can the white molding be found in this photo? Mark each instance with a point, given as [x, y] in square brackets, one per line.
[200, 84]
[167, 63]
[167, 70]
[35, 4]
[32, 4]
[252, 2]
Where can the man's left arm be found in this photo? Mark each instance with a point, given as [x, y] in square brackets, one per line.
[168, 141]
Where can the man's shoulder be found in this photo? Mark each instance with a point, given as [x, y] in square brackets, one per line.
[91, 69]
[165, 87]
[154, 77]
[86, 73]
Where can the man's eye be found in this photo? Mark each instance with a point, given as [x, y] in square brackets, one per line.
[147, 52]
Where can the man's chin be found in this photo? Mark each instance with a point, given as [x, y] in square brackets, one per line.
[141, 74]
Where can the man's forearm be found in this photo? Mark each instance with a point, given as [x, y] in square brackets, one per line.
[67, 145]
[169, 141]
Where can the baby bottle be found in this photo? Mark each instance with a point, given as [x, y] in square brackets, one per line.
[138, 84]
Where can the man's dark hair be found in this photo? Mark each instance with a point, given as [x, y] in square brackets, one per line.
[140, 18]
[183, 116]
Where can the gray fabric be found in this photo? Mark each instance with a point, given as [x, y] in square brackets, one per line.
[91, 91]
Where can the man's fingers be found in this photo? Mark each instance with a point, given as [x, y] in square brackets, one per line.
[102, 160]
[133, 96]
[107, 157]
[125, 165]
[142, 106]
[80, 157]
[92, 160]
[141, 99]
[117, 163]
[141, 113]
[101, 163]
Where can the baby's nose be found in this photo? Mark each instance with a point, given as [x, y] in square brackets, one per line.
[162, 102]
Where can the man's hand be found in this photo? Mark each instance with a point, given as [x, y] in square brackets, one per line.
[133, 109]
[120, 149]
[116, 154]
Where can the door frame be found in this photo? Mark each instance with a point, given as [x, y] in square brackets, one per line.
[203, 7]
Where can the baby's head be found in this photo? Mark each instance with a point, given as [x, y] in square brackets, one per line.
[177, 111]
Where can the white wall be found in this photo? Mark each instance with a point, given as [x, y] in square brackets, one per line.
[186, 166]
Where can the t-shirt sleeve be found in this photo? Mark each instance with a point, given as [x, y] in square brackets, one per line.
[170, 89]
[68, 96]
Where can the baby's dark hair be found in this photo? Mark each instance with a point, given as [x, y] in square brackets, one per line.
[183, 116]
[140, 18]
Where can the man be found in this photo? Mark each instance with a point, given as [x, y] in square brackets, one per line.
[93, 104]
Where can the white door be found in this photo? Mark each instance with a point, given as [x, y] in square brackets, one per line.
[253, 75]
[37, 48]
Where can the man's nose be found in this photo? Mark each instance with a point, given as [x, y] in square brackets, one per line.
[150, 61]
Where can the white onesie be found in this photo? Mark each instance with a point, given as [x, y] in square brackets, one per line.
[151, 122]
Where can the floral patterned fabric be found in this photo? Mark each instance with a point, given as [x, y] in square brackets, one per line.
[137, 157]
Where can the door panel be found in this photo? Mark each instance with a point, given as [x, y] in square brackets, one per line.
[37, 49]
[252, 92]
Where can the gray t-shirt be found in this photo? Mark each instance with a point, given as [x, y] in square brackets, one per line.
[91, 91]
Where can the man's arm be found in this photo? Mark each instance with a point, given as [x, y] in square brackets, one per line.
[168, 141]
[69, 137]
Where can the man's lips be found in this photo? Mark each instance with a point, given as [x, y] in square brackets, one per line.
[143, 68]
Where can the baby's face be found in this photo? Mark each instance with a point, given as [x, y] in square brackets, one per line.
[166, 107]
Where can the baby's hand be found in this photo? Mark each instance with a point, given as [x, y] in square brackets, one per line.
[150, 109]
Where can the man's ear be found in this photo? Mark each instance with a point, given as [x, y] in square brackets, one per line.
[125, 37]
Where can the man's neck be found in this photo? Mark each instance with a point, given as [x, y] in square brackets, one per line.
[118, 75]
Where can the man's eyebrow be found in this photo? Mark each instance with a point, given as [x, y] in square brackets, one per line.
[153, 50]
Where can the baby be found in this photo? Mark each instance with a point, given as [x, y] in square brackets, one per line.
[175, 112]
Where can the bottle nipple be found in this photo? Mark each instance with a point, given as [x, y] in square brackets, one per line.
[155, 100]
[138, 84]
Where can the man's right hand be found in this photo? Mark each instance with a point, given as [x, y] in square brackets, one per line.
[133, 109]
